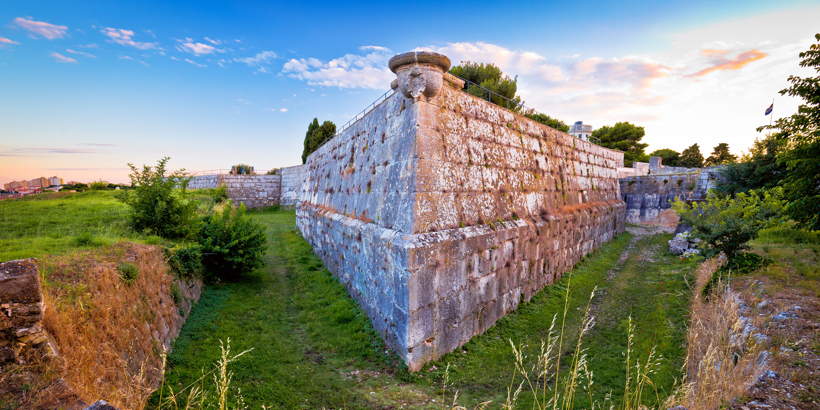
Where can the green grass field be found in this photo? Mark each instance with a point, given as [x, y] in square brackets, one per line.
[59, 223]
[313, 347]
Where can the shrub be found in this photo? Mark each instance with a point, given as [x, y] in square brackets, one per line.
[98, 186]
[232, 243]
[242, 169]
[176, 293]
[128, 272]
[185, 260]
[726, 224]
[219, 194]
[157, 206]
[272, 172]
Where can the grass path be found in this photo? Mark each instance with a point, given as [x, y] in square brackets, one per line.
[314, 348]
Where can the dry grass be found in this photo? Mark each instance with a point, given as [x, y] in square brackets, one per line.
[106, 330]
[721, 363]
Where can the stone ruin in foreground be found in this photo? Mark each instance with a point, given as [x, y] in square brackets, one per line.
[441, 212]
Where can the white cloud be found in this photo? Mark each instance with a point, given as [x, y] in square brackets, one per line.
[284, 110]
[257, 60]
[190, 46]
[124, 37]
[4, 41]
[63, 59]
[195, 63]
[80, 53]
[35, 28]
[214, 42]
[92, 45]
[348, 71]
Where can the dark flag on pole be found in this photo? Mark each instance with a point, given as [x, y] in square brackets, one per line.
[769, 110]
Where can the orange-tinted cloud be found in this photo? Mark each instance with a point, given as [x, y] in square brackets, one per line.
[719, 61]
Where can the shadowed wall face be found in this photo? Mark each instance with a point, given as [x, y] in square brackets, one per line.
[441, 212]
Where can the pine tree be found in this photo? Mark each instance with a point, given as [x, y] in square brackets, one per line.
[691, 157]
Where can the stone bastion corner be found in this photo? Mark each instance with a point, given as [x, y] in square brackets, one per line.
[441, 212]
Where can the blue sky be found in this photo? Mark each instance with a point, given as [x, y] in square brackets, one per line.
[87, 87]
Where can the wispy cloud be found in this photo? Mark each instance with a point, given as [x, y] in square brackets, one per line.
[214, 42]
[41, 28]
[95, 144]
[348, 71]
[53, 151]
[92, 45]
[719, 60]
[190, 46]
[283, 110]
[62, 59]
[257, 60]
[5, 41]
[124, 37]
[80, 53]
[195, 63]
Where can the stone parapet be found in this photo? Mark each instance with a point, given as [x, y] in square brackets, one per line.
[21, 309]
[439, 211]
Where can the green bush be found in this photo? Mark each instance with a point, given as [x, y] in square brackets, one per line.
[158, 204]
[232, 243]
[791, 236]
[98, 186]
[128, 272]
[185, 260]
[726, 224]
[219, 194]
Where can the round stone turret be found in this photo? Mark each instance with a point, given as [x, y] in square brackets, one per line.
[420, 73]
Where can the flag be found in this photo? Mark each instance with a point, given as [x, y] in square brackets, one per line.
[769, 110]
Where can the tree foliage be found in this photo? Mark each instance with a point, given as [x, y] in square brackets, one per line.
[232, 243]
[802, 154]
[316, 136]
[669, 157]
[691, 157]
[721, 156]
[158, 204]
[547, 120]
[757, 169]
[489, 77]
[625, 137]
[726, 224]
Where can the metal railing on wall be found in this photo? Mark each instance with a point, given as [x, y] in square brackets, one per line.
[507, 103]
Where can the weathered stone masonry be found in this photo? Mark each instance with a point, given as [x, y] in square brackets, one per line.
[256, 191]
[440, 212]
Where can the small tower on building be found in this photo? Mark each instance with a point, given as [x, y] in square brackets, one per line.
[580, 130]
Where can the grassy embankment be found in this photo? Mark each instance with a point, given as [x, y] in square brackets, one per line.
[314, 348]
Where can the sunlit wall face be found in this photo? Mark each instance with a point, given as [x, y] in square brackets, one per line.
[86, 88]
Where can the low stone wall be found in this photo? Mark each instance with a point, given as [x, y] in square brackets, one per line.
[204, 181]
[21, 309]
[255, 191]
[293, 179]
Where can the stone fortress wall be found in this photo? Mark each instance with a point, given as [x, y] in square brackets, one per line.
[650, 190]
[441, 212]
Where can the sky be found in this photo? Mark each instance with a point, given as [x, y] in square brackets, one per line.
[87, 87]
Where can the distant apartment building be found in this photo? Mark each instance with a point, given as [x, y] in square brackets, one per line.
[15, 185]
[41, 182]
[580, 130]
